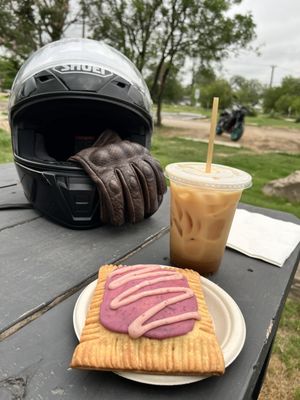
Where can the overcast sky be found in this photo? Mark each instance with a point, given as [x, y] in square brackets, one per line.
[278, 40]
[278, 37]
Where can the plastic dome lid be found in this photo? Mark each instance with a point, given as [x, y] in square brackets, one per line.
[81, 51]
[221, 177]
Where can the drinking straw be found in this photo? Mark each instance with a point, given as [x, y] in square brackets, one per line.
[212, 134]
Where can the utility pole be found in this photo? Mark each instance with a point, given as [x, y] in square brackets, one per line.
[83, 26]
[272, 74]
[83, 14]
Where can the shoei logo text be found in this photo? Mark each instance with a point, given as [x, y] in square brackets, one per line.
[75, 68]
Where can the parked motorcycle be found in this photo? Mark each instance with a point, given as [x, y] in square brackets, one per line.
[232, 122]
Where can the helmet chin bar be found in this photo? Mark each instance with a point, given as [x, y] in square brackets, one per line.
[68, 197]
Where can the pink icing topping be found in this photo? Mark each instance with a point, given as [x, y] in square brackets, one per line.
[148, 300]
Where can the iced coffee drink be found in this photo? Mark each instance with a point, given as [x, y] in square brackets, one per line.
[202, 209]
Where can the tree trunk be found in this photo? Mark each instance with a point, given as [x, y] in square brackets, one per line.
[158, 113]
[160, 95]
[156, 76]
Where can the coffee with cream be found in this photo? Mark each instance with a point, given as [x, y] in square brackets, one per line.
[202, 209]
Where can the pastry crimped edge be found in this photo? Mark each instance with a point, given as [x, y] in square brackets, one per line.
[195, 353]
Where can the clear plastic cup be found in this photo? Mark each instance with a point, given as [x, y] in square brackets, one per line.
[202, 209]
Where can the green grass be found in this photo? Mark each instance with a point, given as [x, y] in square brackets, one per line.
[4, 96]
[265, 120]
[287, 344]
[283, 379]
[297, 394]
[5, 147]
[262, 167]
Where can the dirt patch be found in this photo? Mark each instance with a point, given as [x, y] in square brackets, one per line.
[259, 139]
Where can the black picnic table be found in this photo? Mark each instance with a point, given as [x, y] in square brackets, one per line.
[43, 269]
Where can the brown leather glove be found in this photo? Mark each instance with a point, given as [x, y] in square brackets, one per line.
[130, 182]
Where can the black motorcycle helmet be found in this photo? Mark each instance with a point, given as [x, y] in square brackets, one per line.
[63, 97]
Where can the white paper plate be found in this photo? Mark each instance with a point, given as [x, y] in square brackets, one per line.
[228, 320]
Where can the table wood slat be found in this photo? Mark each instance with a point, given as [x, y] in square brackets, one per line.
[38, 355]
[14, 195]
[8, 175]
[41, 260]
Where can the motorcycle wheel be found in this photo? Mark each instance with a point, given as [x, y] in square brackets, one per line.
[237, 133]
[219, 130]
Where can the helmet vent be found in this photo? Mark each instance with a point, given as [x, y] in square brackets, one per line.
[45, 78]
[121, 84]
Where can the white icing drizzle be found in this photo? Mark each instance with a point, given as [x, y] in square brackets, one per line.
[137, 328]
[137, 272]
[125, 298]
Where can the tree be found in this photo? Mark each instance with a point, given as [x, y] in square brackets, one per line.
[290, 85]
[165, 32]
[174, 90]
[271, 95]
[26, 25]
[204, 75]
[284, 98]
[296, 107]
[247, 92]
[18, 35]
[284, 104]
[126, 25]
[8, 69]
[219, 88]
[201, 77]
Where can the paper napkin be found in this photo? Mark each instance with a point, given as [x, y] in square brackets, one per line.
[262, 237]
